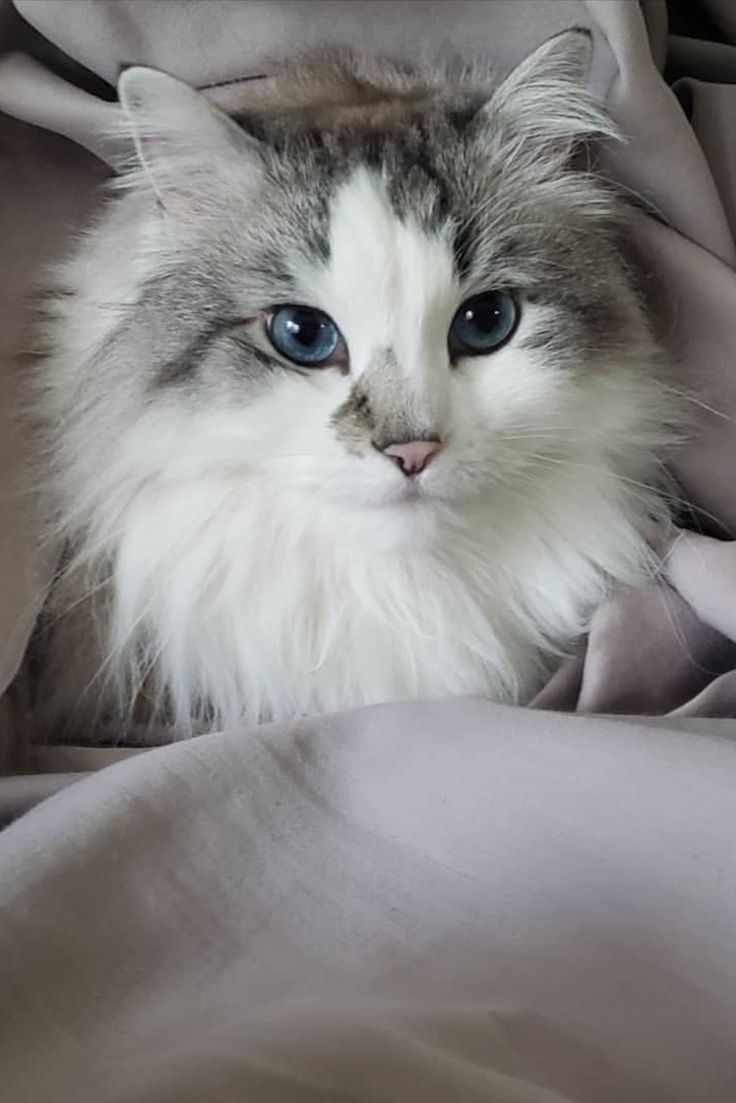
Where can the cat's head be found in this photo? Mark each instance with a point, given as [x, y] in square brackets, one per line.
[400, 301]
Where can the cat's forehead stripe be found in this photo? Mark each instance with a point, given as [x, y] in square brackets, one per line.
[419, 167]
[388, 278]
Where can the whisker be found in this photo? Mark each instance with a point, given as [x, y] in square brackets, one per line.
[708, 408]
[88, 593]
[664, 592]
[662, 492]
[645, 201]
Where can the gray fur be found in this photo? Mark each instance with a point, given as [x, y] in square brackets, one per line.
[518, 225]
[377, 410]
[553, 236]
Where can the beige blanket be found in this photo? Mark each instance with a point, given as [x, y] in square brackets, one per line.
[446, 901]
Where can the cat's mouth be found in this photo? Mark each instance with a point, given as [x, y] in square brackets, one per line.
[410, 493]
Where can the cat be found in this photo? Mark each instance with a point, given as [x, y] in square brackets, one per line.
[351, 398]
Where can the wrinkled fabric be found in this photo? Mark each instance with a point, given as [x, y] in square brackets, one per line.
[678, 160]
[435, 901]
[455, 901]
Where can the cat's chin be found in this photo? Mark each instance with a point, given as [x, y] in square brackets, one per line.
[408, 496]
[395, 524]
[406, 515]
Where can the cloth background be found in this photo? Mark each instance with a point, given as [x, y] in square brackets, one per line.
[449, 900]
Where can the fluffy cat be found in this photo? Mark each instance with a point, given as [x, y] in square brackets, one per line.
[352, 399]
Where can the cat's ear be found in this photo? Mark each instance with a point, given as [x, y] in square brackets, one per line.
[186, 147]
[543, 109]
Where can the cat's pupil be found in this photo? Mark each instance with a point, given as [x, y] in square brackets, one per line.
[306, 330]
[484, 320]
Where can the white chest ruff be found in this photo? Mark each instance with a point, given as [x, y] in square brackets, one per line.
[253, 608]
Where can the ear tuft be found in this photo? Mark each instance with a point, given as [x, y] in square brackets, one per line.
[150, 91]
[566, 57]
[544, 109]
[183, 143]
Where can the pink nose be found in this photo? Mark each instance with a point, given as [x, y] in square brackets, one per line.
[412, 456]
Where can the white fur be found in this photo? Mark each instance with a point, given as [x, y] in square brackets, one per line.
[268, 570]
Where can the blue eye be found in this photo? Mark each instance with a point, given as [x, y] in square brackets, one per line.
[304, 335]
[483, 324]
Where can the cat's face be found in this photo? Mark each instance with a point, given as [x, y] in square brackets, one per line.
[398, 323]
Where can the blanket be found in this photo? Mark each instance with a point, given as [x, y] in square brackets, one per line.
[437, 900]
